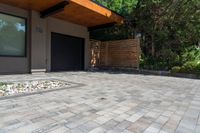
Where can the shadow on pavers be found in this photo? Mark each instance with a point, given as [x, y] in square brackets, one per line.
[144, 72]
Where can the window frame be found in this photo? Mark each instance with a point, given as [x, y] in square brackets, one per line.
[26, 35]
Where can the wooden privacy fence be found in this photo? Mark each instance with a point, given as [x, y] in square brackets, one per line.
[120, 54]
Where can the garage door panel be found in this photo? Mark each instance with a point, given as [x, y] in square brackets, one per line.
[67, 53]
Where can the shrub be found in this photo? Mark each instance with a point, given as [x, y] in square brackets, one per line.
[192, 67]
[142, 61]
[190, 61]
[165, 60]
[170, 57]
[198, 68]
[190, 54]
[175, 69]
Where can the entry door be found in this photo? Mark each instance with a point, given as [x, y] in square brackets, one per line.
[67, 53]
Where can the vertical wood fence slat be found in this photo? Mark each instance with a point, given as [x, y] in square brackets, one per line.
[121, 53]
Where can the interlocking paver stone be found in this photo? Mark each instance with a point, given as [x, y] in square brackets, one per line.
[88, 126]
[106, 102]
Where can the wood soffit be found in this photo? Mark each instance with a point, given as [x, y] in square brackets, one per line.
[82, 12]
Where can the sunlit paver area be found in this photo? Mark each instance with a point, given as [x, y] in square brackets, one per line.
[105, 102]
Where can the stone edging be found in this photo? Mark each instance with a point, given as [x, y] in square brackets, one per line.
[148, 72]
[168, 73]
[74, 85]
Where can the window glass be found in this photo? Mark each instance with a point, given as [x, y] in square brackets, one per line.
[12, 35]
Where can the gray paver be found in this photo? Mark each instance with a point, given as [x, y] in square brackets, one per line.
[112, 103]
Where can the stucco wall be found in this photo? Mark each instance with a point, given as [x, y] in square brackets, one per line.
[14, 64]
[39, 41]
[63, 27]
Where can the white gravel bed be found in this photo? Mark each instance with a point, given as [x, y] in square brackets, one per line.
[13, 88]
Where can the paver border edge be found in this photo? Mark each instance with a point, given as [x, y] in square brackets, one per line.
[75, 85]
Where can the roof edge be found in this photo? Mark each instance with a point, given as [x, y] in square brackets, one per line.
[100, 9]
[107, 8]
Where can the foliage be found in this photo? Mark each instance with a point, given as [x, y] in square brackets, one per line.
[191, 67]
[152, 64]
[167, 24]
[165, 60]
[175, 69]
[189, 62]
[167, 28]
[123, 7]
[191, 54]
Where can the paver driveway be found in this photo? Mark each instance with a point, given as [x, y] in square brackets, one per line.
[110, 103]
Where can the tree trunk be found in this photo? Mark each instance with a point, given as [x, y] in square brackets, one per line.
[199, 43]
[152, 46]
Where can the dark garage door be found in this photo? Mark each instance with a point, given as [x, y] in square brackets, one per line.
[67, 53]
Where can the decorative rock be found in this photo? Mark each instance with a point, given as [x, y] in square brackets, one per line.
[30, 86]
[1, 92]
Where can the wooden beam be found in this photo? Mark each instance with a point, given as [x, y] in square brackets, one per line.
[54, 9]
[100, 10]
[81, 12]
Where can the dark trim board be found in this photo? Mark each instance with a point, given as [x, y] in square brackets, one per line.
[67, 53]
[101, 26]
[54, 9]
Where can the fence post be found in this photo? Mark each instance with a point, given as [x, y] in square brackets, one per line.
[106, 52]
[138, 53]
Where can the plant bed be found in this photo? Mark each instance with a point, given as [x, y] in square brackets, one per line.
[26, 87]
[168, 73]
[186, 75]
[154, 72]
[151, 72]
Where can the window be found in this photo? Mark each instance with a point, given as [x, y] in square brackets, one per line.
[12, 36]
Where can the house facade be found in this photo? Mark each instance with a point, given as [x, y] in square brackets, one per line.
[49, 35]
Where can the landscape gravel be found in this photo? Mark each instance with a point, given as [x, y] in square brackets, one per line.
[13, 88]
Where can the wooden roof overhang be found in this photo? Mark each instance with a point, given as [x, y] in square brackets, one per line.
[82, 12]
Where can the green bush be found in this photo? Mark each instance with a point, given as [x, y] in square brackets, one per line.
[170, 57]
[175, 69]
[190, 54]
[190, 61]
[166, 59]
[163, 61]
[192, 67]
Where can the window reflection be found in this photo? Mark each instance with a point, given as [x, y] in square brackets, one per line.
[12, 35]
